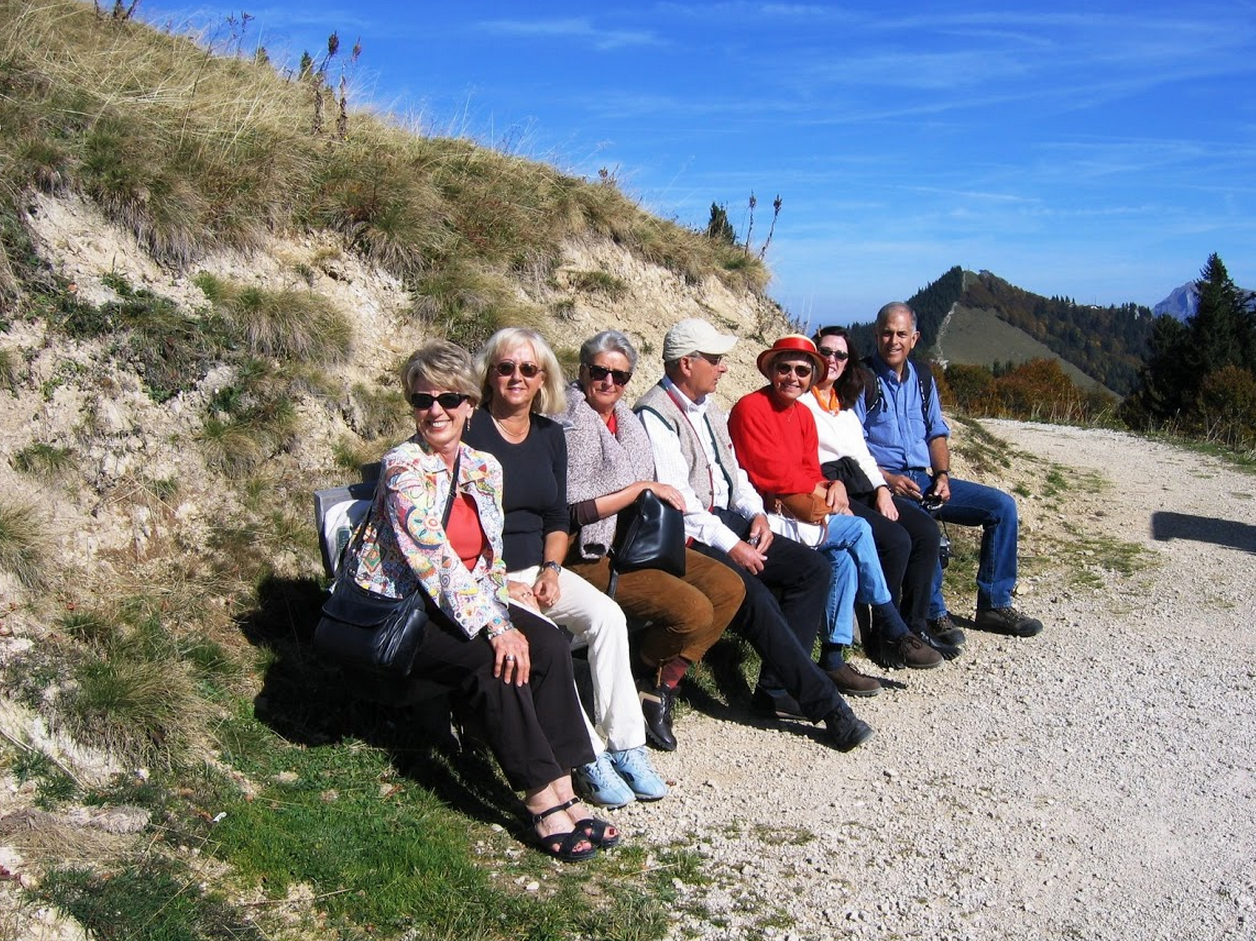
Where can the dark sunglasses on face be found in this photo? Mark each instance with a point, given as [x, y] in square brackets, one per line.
[448, 400]
[801, 370]
[840, 355]
[507, 367]
[712, 359]
[599, 374]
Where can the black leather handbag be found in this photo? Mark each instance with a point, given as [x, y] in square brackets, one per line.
[367, 631]
[650, 534]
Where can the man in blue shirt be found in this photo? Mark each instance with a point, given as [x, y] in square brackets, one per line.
[907, 436]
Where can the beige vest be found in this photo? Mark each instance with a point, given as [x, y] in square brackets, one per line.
[661, 405]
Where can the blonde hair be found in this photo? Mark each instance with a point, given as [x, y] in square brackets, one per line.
[551, 398]
[441, 365]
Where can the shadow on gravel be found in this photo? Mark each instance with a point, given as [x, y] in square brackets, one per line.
[311, 704]
[1167, 526]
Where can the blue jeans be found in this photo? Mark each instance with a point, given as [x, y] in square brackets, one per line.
[995, 512]
[857, 575]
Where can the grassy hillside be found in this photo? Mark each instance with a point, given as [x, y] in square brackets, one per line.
[979, 337]
[204, 296]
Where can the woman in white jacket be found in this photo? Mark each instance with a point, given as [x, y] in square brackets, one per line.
[906, 536]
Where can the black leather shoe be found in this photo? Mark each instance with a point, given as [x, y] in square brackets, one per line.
[656, 707]
[780, 706]
[949, 651]
[846, 731]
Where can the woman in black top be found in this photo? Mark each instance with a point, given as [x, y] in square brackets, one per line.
[521, 379]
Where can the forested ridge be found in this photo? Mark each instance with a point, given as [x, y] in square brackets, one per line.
[1109, 344]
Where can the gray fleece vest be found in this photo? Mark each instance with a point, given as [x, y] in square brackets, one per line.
[660, 404]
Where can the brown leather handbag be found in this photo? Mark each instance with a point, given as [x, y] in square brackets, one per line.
[804, 507]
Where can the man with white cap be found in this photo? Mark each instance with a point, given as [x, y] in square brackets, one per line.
[787, 584]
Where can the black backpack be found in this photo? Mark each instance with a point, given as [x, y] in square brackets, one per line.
[874, 396]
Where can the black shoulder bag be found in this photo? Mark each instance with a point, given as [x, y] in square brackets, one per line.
[368, 631]
[649, 534]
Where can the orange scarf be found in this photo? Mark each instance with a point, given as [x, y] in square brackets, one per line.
[828, 400]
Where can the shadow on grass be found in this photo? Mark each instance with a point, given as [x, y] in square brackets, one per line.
[312, 704]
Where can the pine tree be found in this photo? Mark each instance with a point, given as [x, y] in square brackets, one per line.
[718, 227]
[1221, 329]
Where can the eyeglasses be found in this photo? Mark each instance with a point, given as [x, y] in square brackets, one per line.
[599, 374]
[840, 355]
[507, 367]
[448, 400]
[801, 370]
[713, 360]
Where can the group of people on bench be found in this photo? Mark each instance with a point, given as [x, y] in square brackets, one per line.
[808, 499]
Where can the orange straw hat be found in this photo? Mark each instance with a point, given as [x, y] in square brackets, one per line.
[792, 343]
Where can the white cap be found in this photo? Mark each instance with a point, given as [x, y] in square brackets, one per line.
[695, 335]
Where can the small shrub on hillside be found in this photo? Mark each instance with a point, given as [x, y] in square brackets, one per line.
[598, 282]
[42, 459]
[24, 543]
[1226, 409]
[375, 412]
[282, 324]
[468, 305]
[8, 369]
[53, 787]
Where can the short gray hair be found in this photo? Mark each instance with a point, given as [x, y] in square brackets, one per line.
[883, 314]
[608, 341]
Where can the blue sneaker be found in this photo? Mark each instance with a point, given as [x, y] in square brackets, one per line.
[633, 765]
[599, 783]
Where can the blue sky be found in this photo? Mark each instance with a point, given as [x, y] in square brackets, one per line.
[1097, 150]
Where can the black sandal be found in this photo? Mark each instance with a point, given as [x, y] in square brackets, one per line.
[562, 845]
[594, 827]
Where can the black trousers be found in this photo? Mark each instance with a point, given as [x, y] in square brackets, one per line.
[908, 550]
[536, 731]
[781, 616]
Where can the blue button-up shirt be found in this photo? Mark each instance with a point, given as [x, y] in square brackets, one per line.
[898, 429]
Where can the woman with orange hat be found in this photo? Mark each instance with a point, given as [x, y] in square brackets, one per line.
[776, 441]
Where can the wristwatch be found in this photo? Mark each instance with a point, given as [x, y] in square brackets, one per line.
[558, 569]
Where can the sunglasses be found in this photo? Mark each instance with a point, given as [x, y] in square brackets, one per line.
[599, 374]
[801, 370]
[713, 360]
[507, 367]
[448, 400]
[840, 355]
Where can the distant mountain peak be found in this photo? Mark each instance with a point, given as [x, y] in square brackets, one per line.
[1180, 303]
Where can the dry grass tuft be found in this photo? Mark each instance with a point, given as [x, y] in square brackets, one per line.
[24, 543]
[285, 324]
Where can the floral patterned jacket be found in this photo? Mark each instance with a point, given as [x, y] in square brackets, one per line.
[404, 543]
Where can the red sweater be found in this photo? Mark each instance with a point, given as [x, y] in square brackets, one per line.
[777, 447]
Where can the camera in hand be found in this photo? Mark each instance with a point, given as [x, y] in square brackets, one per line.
[930, 501]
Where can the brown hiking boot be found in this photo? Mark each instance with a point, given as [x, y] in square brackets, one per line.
[851, 682]
[911, 652]
[1007, 621]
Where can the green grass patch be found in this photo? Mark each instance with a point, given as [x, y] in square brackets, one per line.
[1093, 560]
[42, 459]
[598, 282]
[377, 849]
[984, 452]
[152, 898]
[53, 786]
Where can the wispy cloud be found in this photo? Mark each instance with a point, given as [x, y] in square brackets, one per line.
[578, 28]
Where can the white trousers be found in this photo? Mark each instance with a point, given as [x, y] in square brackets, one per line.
[596, 619]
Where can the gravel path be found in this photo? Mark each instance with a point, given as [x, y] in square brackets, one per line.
[1095, 782]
